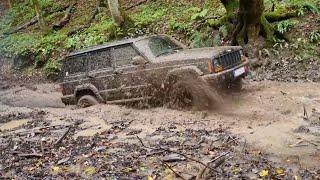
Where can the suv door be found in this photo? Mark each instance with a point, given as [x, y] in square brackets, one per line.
[129, 77]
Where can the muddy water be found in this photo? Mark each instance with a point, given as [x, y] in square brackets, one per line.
[279, 109]
[12, 124]
[264, 113]
[286, 146]
[33, 96]
[92, 126]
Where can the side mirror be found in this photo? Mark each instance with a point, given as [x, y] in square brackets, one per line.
[139, 60]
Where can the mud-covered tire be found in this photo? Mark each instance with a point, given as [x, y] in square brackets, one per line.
[236, 85]
[227, 86]
[87, 101]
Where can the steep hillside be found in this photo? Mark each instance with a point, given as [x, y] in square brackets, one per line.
[90, 24]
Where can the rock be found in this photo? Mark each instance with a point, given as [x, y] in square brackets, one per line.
[173, 158]
[62, 161]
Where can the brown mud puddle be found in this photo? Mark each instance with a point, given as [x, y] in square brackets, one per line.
[13, 124]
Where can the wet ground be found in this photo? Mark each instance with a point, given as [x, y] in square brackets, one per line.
[269, 129]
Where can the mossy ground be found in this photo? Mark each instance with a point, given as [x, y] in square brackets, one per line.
[180, 19]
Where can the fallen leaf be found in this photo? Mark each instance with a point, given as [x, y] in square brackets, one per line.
[31, 169]
[56, 169]
[127, 170]
[150, 178]
[264, 173]
[143, 168]
[39, 164]
[279, 171]
[236, 170]
[90, 170]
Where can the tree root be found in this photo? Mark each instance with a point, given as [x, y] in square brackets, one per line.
[275, 16]
[267, 28]
[33, 21]
[248, 24]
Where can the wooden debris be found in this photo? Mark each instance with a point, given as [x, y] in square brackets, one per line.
[62, 137]
[30, 155]
[168, 166]
[172, 151]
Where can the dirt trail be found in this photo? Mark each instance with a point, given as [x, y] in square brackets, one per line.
[266, 114]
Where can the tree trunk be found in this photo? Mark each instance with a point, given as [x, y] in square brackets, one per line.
[115, 12]
[251, 22]
[10, 3]
[39, 14]
[231, 6]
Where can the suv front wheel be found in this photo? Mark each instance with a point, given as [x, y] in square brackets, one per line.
[236, 85]
[87, 101]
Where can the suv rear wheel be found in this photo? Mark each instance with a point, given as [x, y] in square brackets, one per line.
[87, 101]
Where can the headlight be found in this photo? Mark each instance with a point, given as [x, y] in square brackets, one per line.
[214, 66]
[241, 53]
[215, 63]
[217, 66]
[243, 57]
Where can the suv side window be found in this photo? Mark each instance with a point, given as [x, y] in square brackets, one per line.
[74, 64]
[99, 59]
[122, 55]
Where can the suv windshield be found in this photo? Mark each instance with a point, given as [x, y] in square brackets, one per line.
[162, 45]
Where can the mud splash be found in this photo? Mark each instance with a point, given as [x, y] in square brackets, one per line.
[186, 92]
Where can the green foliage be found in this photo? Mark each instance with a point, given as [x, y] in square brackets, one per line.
[202, 39]
[174, 25]
[300, 12]
[18, 44]
[200, 14]
[45, 3]
[311, 7]
[52, 68]
[314, 36]
[158, 17]
[148, 15]
[285, 26]
[16, 16]
[223, 30]
[303, 4]
[95, 35]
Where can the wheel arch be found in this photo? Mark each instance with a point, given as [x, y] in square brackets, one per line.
[87, 89]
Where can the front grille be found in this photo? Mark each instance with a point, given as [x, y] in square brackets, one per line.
[229, 59]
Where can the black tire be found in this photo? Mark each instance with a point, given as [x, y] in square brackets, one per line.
[227, 86]
[87, 101]
[236, 85]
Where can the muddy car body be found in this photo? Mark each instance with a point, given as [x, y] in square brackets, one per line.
[119, 72]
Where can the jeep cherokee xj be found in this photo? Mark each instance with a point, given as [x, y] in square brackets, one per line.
[117, 72]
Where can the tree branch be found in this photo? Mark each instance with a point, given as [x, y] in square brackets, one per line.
[66, 17]
[179, 175]
[80, 28]
[176, 152]
[135, 5]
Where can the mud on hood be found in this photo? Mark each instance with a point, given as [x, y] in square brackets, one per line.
[197, 53]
